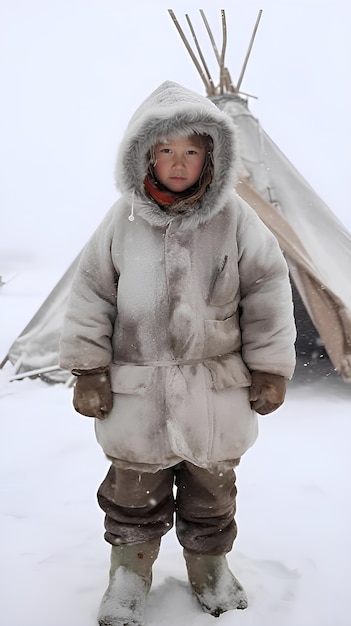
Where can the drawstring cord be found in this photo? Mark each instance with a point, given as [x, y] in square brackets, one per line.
[131, 216]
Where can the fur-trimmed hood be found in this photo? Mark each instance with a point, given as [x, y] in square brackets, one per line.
[172, 111]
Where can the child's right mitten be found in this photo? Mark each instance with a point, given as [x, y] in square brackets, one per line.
[92, 395]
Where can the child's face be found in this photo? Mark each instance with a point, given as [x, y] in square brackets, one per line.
[179, 163]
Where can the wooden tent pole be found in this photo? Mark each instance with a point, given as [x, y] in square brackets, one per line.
[224, 46]
[215, 49]
[4, 361]
[189, 49]
[225, 78]
[249, 51]
[36, 372]
[209, 77]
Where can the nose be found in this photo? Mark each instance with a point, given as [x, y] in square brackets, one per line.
[178, 161]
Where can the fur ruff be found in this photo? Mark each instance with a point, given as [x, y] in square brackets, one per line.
[173, 111]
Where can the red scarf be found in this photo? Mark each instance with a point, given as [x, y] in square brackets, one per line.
[162, 197]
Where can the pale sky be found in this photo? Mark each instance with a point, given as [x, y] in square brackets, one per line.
[74, 71]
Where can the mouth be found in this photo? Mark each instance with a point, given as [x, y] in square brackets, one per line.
[177, 178]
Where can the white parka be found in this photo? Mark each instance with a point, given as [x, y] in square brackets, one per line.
[180, 307]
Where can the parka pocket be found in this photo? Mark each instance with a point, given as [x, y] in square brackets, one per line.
[228, 371]
[225, 282]
[131, 379]
[222, 336]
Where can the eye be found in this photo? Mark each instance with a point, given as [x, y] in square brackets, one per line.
[166, 150]
[192, 152]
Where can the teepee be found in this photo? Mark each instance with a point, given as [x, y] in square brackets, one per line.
[303, 224]
[316, 245]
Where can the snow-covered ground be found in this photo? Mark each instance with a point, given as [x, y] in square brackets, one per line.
[74, 72]
[293, 551]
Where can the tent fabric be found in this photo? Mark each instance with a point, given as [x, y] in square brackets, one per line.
[325, 309]
[316, 245]
[37, 346]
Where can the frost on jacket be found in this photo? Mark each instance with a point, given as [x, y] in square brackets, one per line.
[180, 307]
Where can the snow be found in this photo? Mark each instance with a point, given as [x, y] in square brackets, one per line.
[293, 550]
[71, 80]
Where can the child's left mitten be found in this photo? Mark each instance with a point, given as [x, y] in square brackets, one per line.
[267, 392]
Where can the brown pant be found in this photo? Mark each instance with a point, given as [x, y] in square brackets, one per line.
[140, 506]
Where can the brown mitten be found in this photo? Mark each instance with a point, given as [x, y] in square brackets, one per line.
[267, 392]
[92, 394]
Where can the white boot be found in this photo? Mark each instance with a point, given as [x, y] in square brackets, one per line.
[124, 601]
[214, 585]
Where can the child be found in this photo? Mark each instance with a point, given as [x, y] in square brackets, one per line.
[180, 330]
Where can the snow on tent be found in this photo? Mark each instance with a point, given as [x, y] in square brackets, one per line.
[303, 224]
